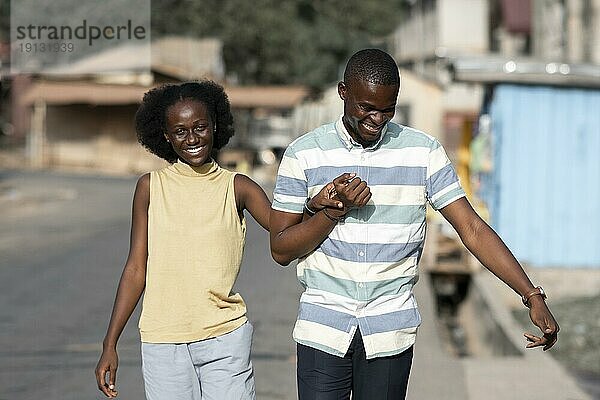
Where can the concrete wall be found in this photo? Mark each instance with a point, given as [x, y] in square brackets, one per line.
[463, 97]
[594, 31]
[454, 26]
[416, 37]
[102, 138]
[309, 115]
[567, 30]
[424, 101]
[81, 122]
[463, 25]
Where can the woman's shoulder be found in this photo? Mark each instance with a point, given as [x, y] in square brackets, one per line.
[241, 179]
[143, 183]
[142, 190]
[245, 186]
[144, 178]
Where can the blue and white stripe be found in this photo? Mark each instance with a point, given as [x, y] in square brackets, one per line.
[362, 275]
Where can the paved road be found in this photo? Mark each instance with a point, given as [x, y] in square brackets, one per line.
[63, 241]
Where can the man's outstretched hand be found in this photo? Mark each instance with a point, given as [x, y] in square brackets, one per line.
[542, 318]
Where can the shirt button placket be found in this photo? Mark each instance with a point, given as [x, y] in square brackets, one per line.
[361, 285]
[363, 172]
[360, 290]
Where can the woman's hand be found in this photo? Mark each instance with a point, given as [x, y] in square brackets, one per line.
[325, 198]
[108, 363]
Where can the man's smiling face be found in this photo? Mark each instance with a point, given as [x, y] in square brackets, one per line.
[368, 107]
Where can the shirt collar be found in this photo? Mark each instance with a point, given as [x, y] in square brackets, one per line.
[349, 142]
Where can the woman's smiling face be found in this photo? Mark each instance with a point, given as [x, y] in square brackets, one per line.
[190, 131]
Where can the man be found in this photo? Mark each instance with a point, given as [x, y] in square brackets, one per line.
[358, 253]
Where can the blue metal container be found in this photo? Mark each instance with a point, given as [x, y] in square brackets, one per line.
[544, 190]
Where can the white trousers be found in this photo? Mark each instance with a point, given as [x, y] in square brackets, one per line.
[213, 369]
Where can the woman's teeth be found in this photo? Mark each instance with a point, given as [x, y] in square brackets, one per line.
[194, 150]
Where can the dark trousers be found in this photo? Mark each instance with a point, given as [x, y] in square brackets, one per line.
[322, 376]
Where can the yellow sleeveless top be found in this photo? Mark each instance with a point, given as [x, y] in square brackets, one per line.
[195, 245]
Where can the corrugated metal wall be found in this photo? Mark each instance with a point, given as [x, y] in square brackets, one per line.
[546, 179]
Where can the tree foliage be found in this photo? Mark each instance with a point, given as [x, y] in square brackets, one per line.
[277, 42]
[4, 20]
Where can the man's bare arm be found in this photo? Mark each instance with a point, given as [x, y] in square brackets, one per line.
[490, 250]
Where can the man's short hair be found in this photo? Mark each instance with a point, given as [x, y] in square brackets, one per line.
[374, 66]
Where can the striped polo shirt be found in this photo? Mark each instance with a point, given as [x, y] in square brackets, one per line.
[362, 275]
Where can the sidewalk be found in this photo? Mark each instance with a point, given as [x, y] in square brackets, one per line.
[438, 375]
[435, 373]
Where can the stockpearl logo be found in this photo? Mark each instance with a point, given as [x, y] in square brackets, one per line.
[80, 37]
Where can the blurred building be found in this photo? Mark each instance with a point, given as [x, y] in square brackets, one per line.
[81, 114]
[73, 117]
[434, 31]
[558, 30]
[521, 83]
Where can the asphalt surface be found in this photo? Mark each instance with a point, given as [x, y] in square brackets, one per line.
[63, 242]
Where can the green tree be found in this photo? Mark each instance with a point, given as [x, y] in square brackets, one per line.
[4, 20]
[276, 42]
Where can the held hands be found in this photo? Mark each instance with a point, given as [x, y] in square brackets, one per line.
[347, 191]
[325, 198]
[542, 317]
[107, 364]
[351, 191]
